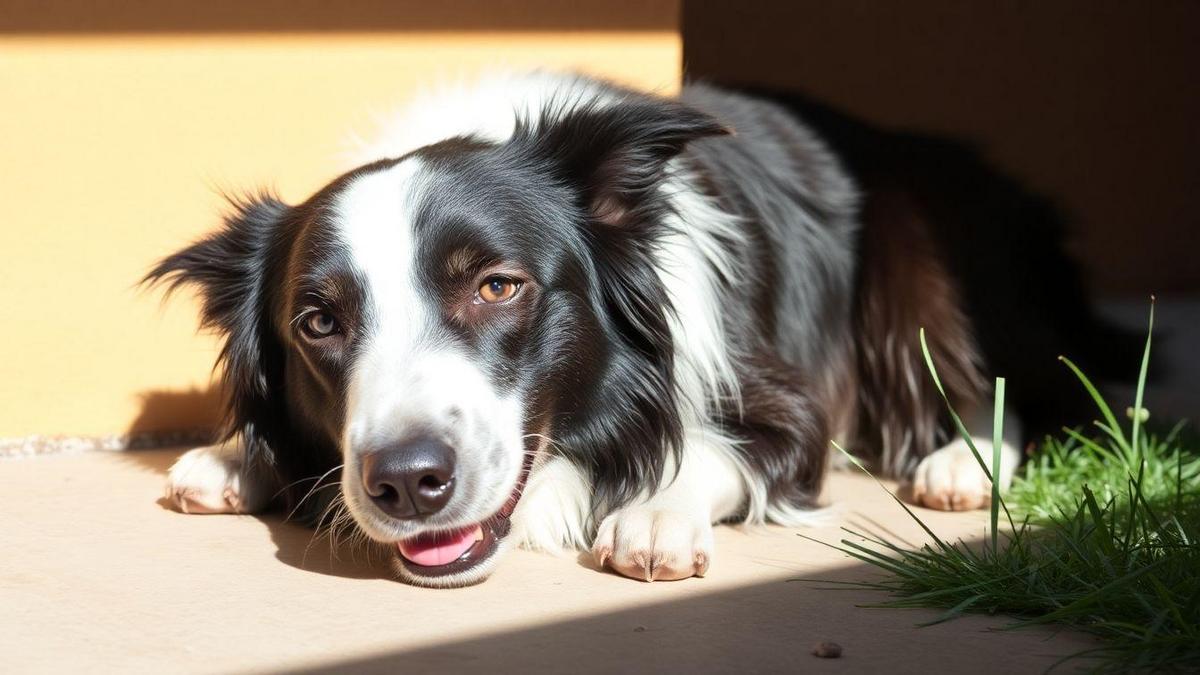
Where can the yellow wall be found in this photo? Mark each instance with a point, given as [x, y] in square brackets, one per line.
[113, 146]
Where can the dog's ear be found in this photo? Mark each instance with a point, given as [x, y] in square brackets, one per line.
[615, 156]
[616, 153]
[231, 268]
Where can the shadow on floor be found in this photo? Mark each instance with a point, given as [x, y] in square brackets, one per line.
[770, 626]
[318, 552]
[297, 545]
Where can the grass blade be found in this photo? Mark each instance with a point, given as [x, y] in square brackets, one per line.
[1113, 425]
[997, 442]
[854, 460]
[958, 423]
[1141, 383]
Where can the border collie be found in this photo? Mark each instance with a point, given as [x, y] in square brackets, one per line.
[551, 311]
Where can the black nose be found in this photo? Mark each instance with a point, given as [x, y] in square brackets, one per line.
[412, 479]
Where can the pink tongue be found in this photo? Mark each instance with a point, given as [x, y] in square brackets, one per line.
[429, 550]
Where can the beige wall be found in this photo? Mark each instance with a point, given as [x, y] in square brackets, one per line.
[120, 127]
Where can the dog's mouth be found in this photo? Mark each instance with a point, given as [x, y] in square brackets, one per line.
[444, 553]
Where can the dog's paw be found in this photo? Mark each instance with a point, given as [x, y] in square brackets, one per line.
[211, 480]
[654, 545]
[952, 480]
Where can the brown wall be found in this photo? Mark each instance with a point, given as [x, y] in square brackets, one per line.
[1094, 102]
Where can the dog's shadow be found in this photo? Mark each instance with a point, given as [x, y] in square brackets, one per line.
[316, 551]
[296, 545]
[198, 411]
[308, 549]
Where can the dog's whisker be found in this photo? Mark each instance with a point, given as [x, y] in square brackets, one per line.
[343, 520]
[295, 482]
[344, 523]
[312, 490]
[336, 502]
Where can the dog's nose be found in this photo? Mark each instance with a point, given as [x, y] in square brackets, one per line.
[410, 480]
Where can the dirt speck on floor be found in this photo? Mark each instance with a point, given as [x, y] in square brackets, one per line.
[827, 650]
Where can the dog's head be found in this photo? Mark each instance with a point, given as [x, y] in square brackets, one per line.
[430, 322]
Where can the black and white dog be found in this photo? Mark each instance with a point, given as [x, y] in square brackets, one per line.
[553, 312]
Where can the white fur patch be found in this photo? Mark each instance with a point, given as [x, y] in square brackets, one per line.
[487, 107]
[212, 479]
[654, 544]
[553, 512]
[951, 479]
[667, 534]
[408, 376]
[695, 269]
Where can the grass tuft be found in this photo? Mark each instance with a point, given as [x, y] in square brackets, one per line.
[1102, 534]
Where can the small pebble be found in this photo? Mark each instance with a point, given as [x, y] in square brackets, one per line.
[827, 650]
[640, 629]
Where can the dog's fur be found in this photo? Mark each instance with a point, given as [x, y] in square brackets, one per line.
[706, 298]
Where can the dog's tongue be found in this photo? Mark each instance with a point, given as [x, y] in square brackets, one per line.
[440, 548]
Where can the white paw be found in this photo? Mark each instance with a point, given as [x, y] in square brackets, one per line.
[654, 545]
[211, 480]
[952, 480]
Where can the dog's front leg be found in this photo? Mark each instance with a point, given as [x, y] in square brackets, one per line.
[667, 534]
[215, 479]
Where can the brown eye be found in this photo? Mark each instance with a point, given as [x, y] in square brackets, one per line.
[320, 325]
[497, 289]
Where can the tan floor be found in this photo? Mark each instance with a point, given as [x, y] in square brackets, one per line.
[96, 576]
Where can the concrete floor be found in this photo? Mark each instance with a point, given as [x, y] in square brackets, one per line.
[96, 575]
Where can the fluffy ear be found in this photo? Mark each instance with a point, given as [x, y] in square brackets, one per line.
[231, 268]
[616, 153]
[615, 157]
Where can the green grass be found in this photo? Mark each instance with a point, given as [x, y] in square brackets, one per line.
[1100, 532]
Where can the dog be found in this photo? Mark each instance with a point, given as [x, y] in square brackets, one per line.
[552, 311]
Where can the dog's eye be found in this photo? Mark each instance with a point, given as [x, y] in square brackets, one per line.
[320, 324]
[497, 289]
